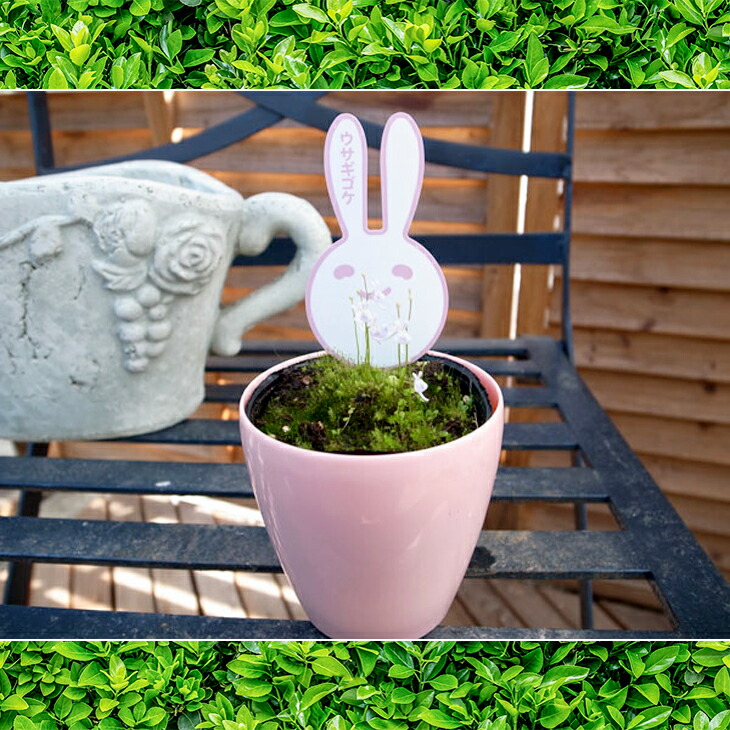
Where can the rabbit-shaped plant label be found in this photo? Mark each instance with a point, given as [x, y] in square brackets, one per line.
[376, 296]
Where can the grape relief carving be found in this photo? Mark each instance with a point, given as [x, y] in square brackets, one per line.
[148, 265]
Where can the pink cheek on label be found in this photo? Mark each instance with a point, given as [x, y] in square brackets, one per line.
[343, 271]
[402, 271]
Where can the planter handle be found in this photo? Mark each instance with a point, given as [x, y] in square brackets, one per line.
[267, 215]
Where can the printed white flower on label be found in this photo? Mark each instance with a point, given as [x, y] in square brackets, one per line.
[420, 385]
[374, 294]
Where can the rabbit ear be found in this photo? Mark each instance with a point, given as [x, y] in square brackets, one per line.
[401, 170]
[345, 166]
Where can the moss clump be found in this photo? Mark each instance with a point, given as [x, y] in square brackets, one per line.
[328, 405]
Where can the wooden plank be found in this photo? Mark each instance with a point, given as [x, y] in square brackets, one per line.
[429, 108]
[640, 352]
[666, 397]
[458, 615]
[91, 585]
[568, 603]
[445, 200]
[684, 264]
[260, 592]
[486, 605]
[649, 110]
[636, 618]
[132, 587]
[79, 110]
[50, 585]
[680, 477]
[663, 310]
[691, 440]
[525, 601]
[703, 516]
[464, 283]
[649, 157]
[73, 147]
[159, 111]
[295, 609]
[502, 204]
[173, 590]
[300, 148]
[543, 211]
[656, 211]
[216, 589]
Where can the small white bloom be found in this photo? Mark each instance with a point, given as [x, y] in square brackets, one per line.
[382, 332]
[419, 385]
[400, 330]
[363, 315]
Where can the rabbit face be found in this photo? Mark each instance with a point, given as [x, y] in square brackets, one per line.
[387, 310]
[376, 296]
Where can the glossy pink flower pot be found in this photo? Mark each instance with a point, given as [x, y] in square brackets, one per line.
[375, 546]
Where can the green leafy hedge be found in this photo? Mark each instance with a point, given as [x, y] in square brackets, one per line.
[364, 43]
[364, 685]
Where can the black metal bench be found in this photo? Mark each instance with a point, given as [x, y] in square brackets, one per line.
[652, 543]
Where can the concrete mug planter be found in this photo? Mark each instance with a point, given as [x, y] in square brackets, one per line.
[375, 545]
[110, 286]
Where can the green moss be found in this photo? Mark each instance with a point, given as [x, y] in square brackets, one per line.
[328, 405]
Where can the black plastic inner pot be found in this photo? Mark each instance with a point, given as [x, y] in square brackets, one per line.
[469, 384]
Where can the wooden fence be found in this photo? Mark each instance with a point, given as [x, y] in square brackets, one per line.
[651, 247]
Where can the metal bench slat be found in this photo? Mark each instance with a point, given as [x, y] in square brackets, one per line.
[232, 480]
[504, 554]
[34, 622]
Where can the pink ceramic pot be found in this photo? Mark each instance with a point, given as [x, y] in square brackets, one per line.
[375, 545]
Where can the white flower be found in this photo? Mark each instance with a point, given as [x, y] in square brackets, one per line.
[363, 315]
[400, 330]
[419, 385]
[382, 332]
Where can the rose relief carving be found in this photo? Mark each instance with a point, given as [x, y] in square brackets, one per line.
[148, 267]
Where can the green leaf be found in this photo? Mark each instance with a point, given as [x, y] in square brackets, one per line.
[701, 721]
[567, 81]
[310, 12]
[397, 671]
[564, 674]
[653, 717]
[600, 24]
[722, 681]
[316, 693]
[721, 721]
[676, 33]
[253, 688]
[537, 65]
[650, 691]
[437, 718]
[14, 702]
[688, 11]
[677, 77]
[140, 7]
[328, 666]
[555, 713]
[24, 723]
[72, 649]
[80, 711]
[444, 683]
